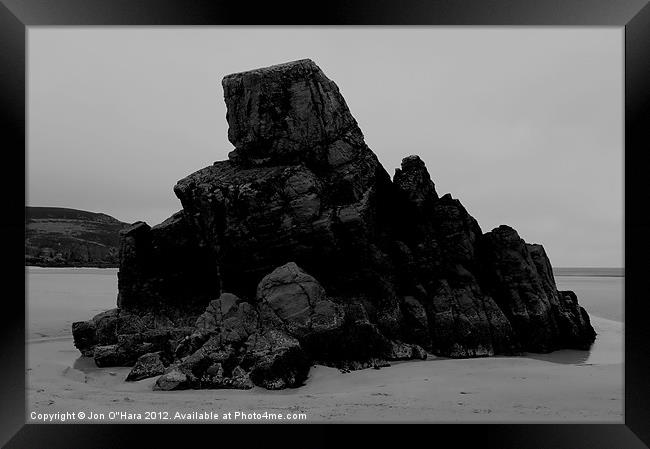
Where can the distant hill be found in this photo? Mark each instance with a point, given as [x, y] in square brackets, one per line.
[589, 271]
[60, 237]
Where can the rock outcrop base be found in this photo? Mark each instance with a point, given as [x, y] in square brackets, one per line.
[301, 249]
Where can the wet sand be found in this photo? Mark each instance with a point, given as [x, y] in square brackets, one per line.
[564, 386]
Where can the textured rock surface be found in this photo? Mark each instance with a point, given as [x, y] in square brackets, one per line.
[235, 345]
[285, 113]
[148, 365]
[520, 279]
[299, 301]
[173, 379]
[118, 338]
[164, 269]
[314, 254]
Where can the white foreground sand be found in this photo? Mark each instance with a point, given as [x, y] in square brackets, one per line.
[565, 386]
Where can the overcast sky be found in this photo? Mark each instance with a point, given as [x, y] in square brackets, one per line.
[523, 125]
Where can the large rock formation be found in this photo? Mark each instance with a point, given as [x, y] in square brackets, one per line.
[301, 249]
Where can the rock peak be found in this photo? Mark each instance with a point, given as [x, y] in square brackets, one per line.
[412, 160]
[304, 64]
[414, 181]
[285, 113]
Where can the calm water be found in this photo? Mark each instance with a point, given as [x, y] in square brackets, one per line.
[56, 297]
[600, 296]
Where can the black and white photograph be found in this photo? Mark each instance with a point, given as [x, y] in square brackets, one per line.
[247, 224]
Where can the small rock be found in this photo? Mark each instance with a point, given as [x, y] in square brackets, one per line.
[174, 379]
[147, 365]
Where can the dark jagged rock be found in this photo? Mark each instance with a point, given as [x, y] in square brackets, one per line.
[235, 347]
[520, 278]
[164, 269]
[85, 337]
[440, 245]
[325, 259]
[527, 299]
[415, 183]
[416, 321]
[173, 379]
[117, 337]
[288, 113]
[100, 330]
[276, 360]
[148, 365]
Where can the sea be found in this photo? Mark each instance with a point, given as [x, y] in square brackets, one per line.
[57, 297]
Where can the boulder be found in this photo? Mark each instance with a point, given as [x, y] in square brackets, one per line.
[173, 379]
[148, 365]
[106, 326]
[100, 330]
[276, 361]
[110, 355]
[216, 378]
[124, 353]
[299, 301]
[84, 334]
[118, 337]
[405, 351]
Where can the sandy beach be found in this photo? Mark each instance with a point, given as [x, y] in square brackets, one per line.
[564, 386]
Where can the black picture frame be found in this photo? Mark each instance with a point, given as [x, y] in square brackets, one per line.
[633, 15]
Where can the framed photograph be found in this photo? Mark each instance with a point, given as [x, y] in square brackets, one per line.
[422, 213]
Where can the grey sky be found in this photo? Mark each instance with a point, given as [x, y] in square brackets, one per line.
[523, 125]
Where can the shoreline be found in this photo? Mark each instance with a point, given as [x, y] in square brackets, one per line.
[72, 267]
[589, 271]
[557, 271]
[68, 335]
[563, 386]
